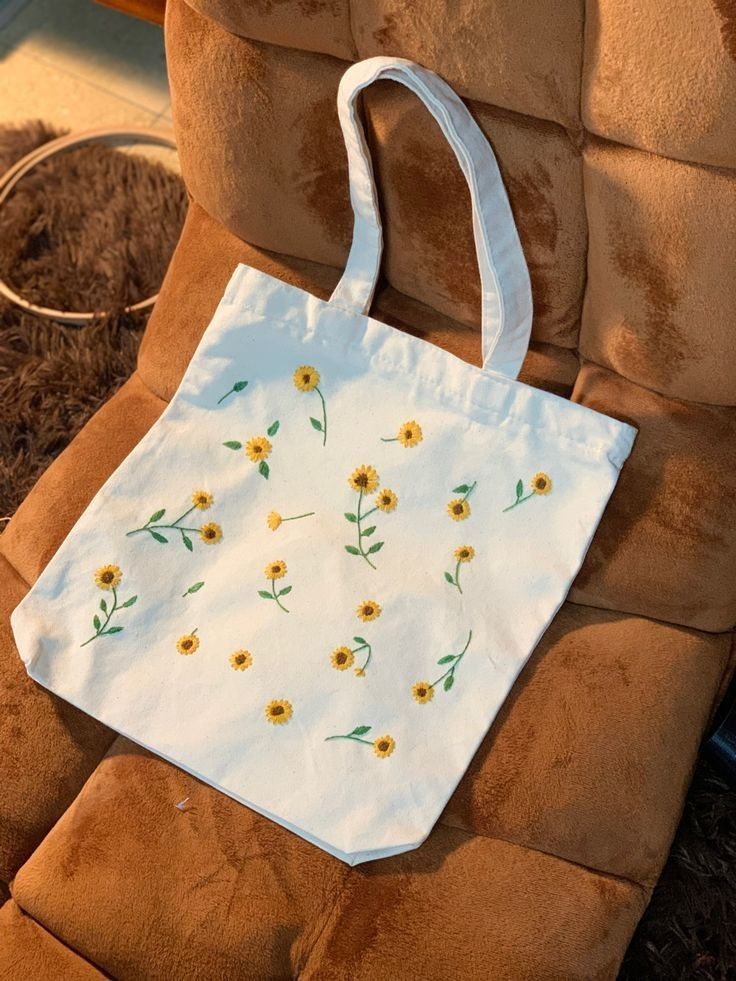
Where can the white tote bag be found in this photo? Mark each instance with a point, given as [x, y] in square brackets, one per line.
[314, 581]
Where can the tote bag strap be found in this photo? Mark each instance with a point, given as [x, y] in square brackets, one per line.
[505, 288]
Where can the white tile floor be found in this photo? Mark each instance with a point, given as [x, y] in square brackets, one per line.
[76, 65]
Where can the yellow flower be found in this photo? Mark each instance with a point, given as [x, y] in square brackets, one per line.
[368, 610]
[275, 570]
[386, 500]
[423, 692]
[279, 711]
[108, 576]
[187, 644]
[274, 520]
[210, 533]
[383, 746]
[364, 478]
[306, 378]
[202, 500]
[241, 660]
[342, 658]
[360, 672]
[458, 509]
[466, 553]
[410, 433]
[541, 483]
[258, 448]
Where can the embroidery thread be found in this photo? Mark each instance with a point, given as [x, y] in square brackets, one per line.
[241, 660]
[423, 691]
[210, 533]
[108, 577]
[463, 554]
[343, 658]
[275, 520]
[237, 387]
[189, 643]
[409, 435]
[279, 711]
[258, 448]
[364, 480]
[273, 571]
[382, 747]
[541, 485]
[459, 507]
[306, 379]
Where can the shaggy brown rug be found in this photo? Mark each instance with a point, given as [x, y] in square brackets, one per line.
[97, 228]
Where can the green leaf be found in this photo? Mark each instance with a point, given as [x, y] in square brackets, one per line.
[285, 590]
[96, 622]
[196, 587]
[449, 578]
[115, 630]
[360, 730]
[263, 469]
[351, 517]
[352, 549]
[239, 386]
[368, 531]
[264, 594]
[273, 428]
[375, 548]
[519, 489]
[462, 489]
[187, 541]
[233, 444]
[103, 606]
[446, 659]
[128, 603]
[156, 516]
[360, 640]
[316, 424]
[159, 538]
[449, 682]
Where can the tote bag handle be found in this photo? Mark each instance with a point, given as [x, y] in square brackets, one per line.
[505, 289]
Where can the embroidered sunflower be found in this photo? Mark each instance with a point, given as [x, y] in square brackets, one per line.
[108, 577]
[306, 378]
[458, 509]
[279, 711]
[422, 692]
[466, 553]
[211, 533]
[275, 570]
[188, 644]
[202, 500]
[409, 434]
[274, 520]
[360, 672]
[386, 500]
[342, 658]
[363, 479]
[241, 660]
[541, 483]
[368, 610]
[384, 746]
[258, 448]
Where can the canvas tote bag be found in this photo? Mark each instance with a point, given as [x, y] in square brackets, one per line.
[313, 582]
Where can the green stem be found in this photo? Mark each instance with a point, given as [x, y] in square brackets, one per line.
[517, 502]
[457, 577]
[370, 654]
[273, 590]
[356, 739]
[470, 490]
[360, 531]
[220, 401]
[101, 629]
[458, 659]
[324, 417]
[297, 516]
[394, 439]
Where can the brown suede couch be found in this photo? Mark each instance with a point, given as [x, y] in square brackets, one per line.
[615, 127]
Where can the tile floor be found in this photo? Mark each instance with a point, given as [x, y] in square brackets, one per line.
[77, 65]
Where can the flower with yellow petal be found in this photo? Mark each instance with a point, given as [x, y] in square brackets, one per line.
[360, 672]
[364, 478]
[202, 500]
[541, 483]
[422, 692]
[465, 553]
[188, 644]
[279, 711]
[386, 500]
[458, 509]
[384, 746]
[410, 434]
[108, 577]
[258, 448]
[274, 520]
[368, 610]
[306, 378]
[342, 658]
[275, 570]
[241, 660]
[211, 533]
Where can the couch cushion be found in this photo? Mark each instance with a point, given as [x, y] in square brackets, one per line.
[29, 951]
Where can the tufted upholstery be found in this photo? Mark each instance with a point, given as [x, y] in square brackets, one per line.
[614, 125]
